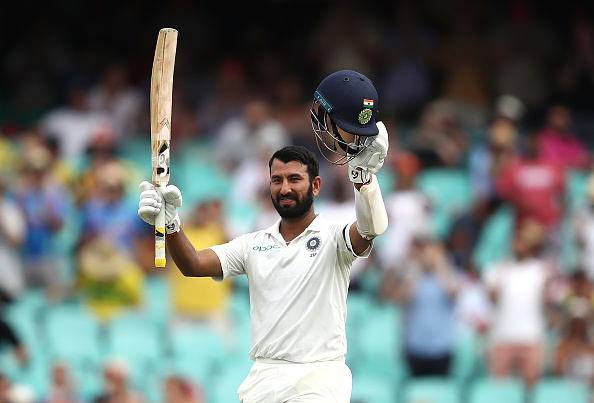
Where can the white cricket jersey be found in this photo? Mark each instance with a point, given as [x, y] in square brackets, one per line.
[297, 291]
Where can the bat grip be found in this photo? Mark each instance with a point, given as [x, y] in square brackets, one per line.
[160, 233]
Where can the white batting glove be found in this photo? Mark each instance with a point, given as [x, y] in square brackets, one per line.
[150, 204]
[371, 159]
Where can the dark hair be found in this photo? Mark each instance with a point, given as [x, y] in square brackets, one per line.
[298, 153]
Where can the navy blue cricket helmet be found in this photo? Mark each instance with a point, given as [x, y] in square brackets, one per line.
[348, 100]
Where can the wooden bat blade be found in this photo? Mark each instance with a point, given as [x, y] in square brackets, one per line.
[161, 102]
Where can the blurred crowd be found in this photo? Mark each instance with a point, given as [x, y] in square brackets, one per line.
[500, 93]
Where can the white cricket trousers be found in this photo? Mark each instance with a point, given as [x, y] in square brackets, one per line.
[276, 381]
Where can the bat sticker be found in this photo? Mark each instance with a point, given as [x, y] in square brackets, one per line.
[163, 160]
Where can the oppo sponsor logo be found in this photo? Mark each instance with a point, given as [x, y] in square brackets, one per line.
[265, 248]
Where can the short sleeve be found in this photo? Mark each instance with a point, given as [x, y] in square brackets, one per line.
[232, 256]
[344, 245]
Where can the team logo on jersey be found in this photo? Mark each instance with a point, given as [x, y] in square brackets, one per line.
[313, 243]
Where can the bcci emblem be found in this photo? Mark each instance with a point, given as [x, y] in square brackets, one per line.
[313, 244]
[365, 116]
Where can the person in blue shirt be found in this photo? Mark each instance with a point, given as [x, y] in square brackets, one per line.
[426, 286]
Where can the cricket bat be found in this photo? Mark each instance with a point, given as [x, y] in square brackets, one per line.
[161, 92]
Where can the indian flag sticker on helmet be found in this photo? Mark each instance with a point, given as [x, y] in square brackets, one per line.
[365, 116]
[368, 103]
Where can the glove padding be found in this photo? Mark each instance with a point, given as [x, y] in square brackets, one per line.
[372, 158]
[150, 205]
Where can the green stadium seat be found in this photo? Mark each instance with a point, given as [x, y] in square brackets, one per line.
[72, 334]
[198, 351]
[375, 344]
[373, 389]
[491, 390]
[432, 390]
[575, 188]
[157, 299]
[494, 242]
[137, 340]
[466, 357]
[223, 388]
[556, 390]
[450, 193]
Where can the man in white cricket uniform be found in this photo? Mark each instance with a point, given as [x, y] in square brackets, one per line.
[298, 269]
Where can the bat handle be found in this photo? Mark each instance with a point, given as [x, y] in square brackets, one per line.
[160, 233]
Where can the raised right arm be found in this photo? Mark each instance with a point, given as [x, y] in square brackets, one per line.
[193, 263]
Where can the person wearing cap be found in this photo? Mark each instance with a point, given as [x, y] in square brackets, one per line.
[298, 268]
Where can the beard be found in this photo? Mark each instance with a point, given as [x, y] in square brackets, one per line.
[301, 206]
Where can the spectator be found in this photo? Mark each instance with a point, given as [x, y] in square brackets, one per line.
[289, 108]
[499, 147]
[61, 389]
[256, 130]
[4, 387]
[109, 281]
[575, 75]
[558, 144]
[9, 337]
[179, 390]
[202, 299]
[116, 387]
[518, 289]
[522, 46]
[266, 214]
[45, 205]
[426, 285]
[409, 43]
[21, 393]
[535, 189]
[75, 125]
[343, 36]
[106, 212]
[408, 212]
[12, 237]
[574, 355]
[439, 141]
[462, 59]
[473, 308]
[578, 295]
[225, 101]
[466, 231]
[117, 99]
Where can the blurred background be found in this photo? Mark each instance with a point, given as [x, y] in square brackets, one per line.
[481, 289]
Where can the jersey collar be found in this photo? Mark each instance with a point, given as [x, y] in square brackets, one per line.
[315, 226]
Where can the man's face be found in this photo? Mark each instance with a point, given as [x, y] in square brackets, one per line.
[291, 191]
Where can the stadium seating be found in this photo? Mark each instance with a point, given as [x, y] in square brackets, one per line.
[72, 334]
[138, 340]
[493, 243]
[373, 389]
[432, 390]
[198, 351]
[379, 344]
[490, 390]
[223, 388]
[157, 299]
[555, 390]
[450, 193]
[466, 357]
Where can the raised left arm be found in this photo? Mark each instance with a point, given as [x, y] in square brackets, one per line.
[372, 218]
